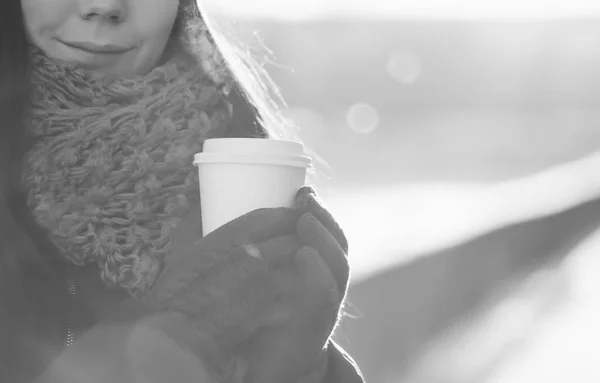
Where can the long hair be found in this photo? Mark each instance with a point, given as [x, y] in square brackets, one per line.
[256, 99]
[33, 293]
[32, 301]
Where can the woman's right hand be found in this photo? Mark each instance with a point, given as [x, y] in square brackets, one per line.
[235, 279]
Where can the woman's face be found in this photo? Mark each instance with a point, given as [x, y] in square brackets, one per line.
[117, 37]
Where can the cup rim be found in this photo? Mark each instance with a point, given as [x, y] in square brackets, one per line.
[295, 160]
[253, 145]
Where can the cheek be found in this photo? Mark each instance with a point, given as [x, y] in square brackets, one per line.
[154, 21]
[44, 16]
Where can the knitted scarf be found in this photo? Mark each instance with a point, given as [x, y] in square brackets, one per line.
[110, 174]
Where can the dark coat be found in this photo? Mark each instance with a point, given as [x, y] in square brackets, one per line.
[107, 324]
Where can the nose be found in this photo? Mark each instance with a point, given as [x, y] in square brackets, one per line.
[111, 11]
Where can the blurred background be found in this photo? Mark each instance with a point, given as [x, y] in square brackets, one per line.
[450, 128]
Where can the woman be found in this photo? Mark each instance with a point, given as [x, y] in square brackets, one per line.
[103, 276]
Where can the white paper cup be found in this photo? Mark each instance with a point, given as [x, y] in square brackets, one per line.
[239, 175]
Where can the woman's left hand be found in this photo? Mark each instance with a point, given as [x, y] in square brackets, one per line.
[299, 350]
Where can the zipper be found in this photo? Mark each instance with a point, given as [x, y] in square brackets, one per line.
[71, 289]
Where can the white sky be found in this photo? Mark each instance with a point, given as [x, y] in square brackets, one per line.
[294, 9]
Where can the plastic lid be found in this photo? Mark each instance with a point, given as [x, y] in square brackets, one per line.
[253, 146]
[268, 159]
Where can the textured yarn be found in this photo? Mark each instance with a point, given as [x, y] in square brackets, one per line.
[111, 174]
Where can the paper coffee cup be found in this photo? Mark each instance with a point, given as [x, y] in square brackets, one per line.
[239, 175]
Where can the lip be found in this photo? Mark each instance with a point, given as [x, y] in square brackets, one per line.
[97, 49]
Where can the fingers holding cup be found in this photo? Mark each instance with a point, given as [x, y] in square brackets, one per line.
[307, 201]
[312, 233]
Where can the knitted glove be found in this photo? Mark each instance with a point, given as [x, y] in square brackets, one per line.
[298, 350]
[268, 285]
[233, 281]
[339, 366]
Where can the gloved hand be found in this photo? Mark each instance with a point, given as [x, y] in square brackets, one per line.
[299, 349]
[269, 284]
[228, 281]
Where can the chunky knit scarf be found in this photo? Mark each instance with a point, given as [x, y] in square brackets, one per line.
[110, 174]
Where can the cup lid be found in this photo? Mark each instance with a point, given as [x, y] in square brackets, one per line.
[301, 161]
[252, 146]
